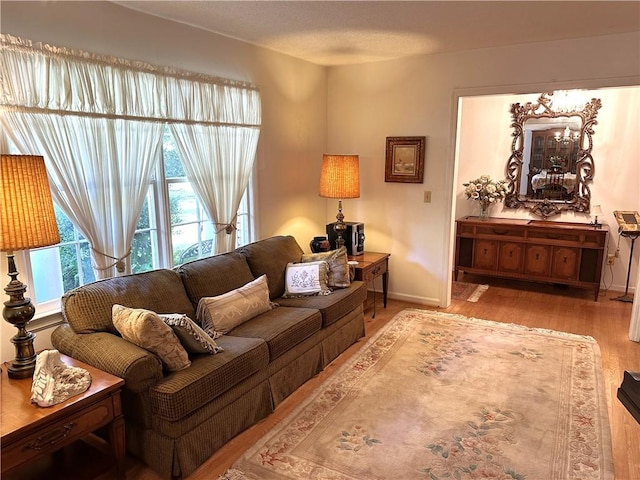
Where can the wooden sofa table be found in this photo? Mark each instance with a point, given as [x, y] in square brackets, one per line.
[370, 266]
[29, 431]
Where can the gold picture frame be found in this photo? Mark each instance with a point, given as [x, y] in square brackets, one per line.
[628, 221]
[405, 159]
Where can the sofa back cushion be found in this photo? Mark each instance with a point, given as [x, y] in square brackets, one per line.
[87, 309]
[213, 276]
[270, 257]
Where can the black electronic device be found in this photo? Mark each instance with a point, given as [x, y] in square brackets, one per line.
[353, 237]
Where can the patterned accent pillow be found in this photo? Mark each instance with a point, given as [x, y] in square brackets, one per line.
[192, 337]
[147, 330]
[303, 279]
[338, 266]
[221, 314]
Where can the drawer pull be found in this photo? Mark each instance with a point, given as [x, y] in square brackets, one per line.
[500, 232]
[50, 439]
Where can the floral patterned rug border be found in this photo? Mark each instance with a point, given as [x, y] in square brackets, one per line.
[363, 423]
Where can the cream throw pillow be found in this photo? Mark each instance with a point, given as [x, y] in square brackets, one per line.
[147, 330]
[192, 337]
[221, 314]
[310, 278]
[338, 266]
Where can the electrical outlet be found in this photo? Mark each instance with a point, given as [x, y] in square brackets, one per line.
[427, 196]
[611, 258]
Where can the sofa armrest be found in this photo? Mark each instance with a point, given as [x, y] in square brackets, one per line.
[139, 368]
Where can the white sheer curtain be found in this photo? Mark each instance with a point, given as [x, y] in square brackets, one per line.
[217, 156]
[98, 121]
[100, 170]
[218, 161]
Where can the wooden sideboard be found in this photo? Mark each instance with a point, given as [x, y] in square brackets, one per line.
[533, 250]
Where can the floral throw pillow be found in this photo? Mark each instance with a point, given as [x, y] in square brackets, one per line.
[218, 315]
[192, 337]
[146, 329]
[309, 278]
[337, 262]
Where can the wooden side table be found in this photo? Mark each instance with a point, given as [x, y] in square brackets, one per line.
[29, 431]
[370, 266]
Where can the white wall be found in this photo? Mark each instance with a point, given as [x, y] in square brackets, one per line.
[419, 96]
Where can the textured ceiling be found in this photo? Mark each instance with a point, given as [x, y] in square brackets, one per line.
[347, 32]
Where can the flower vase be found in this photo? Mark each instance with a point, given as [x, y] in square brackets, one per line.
[484, 211]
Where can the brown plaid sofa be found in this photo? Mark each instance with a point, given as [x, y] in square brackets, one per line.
[175, 421]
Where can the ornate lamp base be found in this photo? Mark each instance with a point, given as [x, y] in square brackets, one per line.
[19, 311]
[340, 227]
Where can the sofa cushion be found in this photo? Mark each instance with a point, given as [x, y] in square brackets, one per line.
[334, 306]
[191, 336]
[209, 376]
[337, 261]
[218, 315]
[147, 330]
[282, 328]
[88, 308]
[270, 256]
[310, 278]
[213, 276]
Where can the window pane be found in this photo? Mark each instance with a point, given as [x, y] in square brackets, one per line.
[144, 221]
[144, 249]
[65, 227]
[191, 241]
[86, 261]
[172, 165]
[141, 252]
[69, 267]
[182, 204]
[47, 274]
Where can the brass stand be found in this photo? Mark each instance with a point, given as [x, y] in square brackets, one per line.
[19, 311]
[626, 297]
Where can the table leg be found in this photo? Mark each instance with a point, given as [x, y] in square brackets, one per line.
[385, 287]
[117, 442]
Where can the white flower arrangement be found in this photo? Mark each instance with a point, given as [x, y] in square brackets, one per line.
[485, 190]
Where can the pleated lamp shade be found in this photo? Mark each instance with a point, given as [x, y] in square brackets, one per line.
[340, 176]
[27, 218]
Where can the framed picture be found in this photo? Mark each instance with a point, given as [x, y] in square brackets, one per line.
[628, 221]
[405, 159]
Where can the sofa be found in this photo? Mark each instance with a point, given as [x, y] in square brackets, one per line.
[175, 420]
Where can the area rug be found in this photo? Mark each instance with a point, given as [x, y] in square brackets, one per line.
[441, 396]
[471, 292]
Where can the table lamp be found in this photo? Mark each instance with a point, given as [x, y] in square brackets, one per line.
[340, 178]
[596, 210]
[27, 220]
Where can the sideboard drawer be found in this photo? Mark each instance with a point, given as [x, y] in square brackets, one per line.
[501, 231]
[555, 236]
[373, 271]
[56, 434]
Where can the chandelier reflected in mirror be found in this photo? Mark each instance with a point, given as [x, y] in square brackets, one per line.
[568, 136]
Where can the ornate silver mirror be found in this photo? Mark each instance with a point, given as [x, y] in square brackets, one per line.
[551, 166]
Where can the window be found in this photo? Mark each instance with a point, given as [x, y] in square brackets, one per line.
[170, 206]
[224, 126]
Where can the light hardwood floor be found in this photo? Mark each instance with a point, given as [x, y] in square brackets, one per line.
[541, 306]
